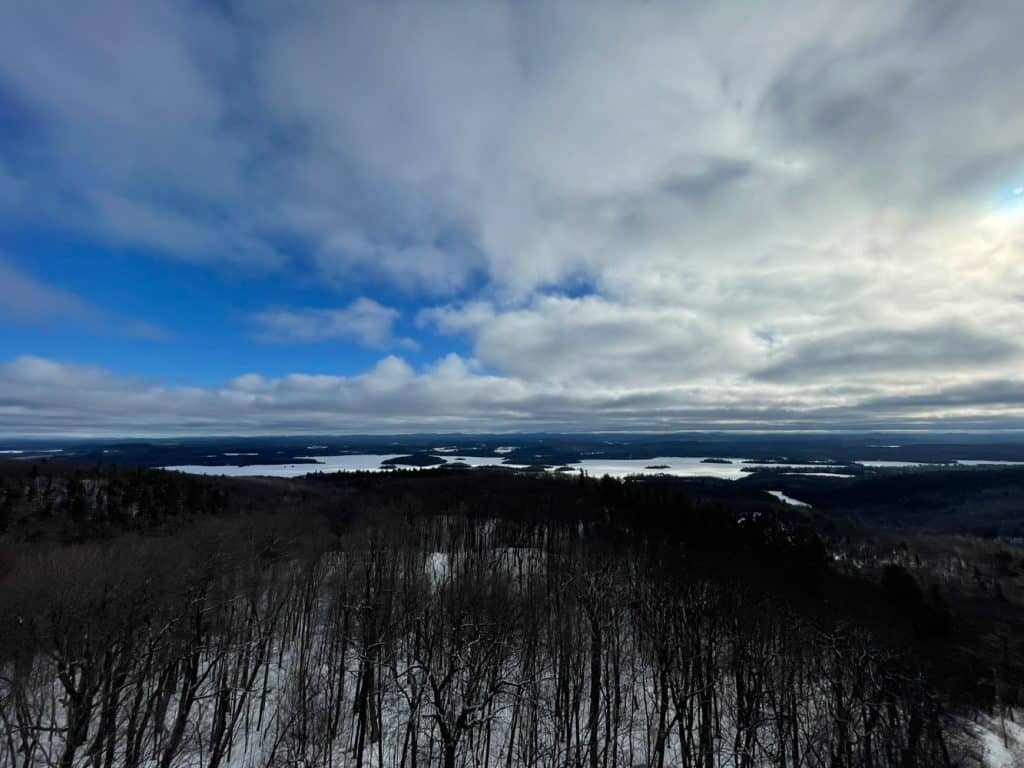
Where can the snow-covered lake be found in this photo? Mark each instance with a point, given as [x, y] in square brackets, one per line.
[885, 464]
[987, 463]
[695, 467]
[350, 463]
[353, 462]
[677, 466]
[667, 465]
[371, 462]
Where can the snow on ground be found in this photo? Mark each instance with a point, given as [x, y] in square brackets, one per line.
[286, 711]
[438, 567]
[1000, 752]
[819, 474]
[512, 561]
[788, 499]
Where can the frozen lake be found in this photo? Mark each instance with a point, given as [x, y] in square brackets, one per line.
[879, 464]
[370, 462]
[695, 467]
[354, 462]
[885, 464]
[988, 463]
[350, 463]
[668, 465]
[677, 466]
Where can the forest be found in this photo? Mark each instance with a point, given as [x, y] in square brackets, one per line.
[477, 618]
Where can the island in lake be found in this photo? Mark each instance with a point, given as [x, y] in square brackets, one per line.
[414, 460]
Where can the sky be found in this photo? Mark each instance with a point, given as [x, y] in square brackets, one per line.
[397, 216]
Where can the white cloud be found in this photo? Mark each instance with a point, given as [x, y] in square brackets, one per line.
[46, 397]
[363, 321]
[677, 207]
[423, 142]
[133, 142]
[590, 341]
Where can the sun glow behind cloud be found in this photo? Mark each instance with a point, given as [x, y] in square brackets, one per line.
[1006, 216]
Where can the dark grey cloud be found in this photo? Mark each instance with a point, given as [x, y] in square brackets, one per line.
[871, 351]
[711, 176]
[40, 397]
[1000, 393]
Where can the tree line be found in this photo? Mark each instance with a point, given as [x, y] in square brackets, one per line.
[465, 620]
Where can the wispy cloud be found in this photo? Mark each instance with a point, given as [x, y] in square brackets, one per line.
[24, 300]
[871, 352]
[364, 321]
